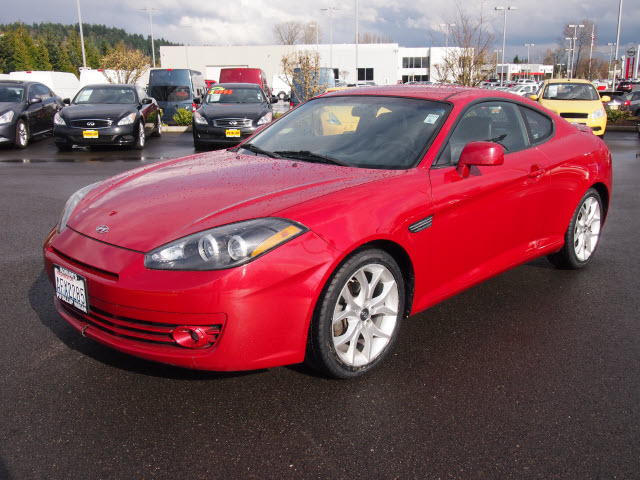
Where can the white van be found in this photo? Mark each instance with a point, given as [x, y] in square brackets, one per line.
[63, 84]
[89, 76]
[279, 88]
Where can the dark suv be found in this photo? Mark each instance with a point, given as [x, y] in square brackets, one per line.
[628, 86]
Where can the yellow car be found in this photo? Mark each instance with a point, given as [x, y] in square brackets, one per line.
[575, 100]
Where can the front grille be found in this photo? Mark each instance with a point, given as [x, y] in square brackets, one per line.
[136, 330]
[232, 122]
[91, 123]
[574, 115]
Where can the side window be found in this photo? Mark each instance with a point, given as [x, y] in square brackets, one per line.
[141, 93]
[498, 122]
[540, 126]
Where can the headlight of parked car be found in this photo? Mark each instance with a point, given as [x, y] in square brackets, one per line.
[199, 119]
[265, 119]
[598, 114]
[128, 120]
[6, 117]
[224, 247]
[71, 205]
[58, 120]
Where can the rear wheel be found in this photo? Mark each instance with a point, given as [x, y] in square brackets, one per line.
[358, 315]
[582, 235]
[22, 134]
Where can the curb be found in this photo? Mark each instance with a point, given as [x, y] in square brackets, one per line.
[621, 128]
[175, 129]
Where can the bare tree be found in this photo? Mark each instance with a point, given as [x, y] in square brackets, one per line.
[309, 36]
[128, 65]
[296, 33]
[467, 61]
[343, 74]
[302, 73]
[582, 44]
[374, 37]
[556, 58]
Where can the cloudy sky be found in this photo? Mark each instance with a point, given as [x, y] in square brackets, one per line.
[410, 23]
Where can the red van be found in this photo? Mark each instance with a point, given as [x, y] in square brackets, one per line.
[245, 75]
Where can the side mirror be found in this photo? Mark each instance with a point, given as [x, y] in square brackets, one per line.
[35, 100]
[66, 101]
[146, 101]
[606, 98]
[479, 153]
[533, 97]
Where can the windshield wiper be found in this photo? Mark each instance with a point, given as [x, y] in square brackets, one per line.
[252, 148]
[306, 155]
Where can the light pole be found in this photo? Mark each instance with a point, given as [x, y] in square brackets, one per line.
[357, 40]
[575, 39]
[613, 82]
[84, 58]
[153, 48]
[496, 52]
[331, 10]
[529, 45]
[315, 26]
[569, 50]
[504, 37]
[446, 26]
[560, 65]
[610, 53]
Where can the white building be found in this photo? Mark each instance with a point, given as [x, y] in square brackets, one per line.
[384, 64]
[516, 71]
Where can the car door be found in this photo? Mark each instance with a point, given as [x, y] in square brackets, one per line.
[36, 115]
[490, 220]
[145, 110]
[50, 105]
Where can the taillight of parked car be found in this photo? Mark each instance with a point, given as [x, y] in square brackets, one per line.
[194, 107]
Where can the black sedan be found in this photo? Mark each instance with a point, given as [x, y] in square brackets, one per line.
[230, 113]
[26, 110]
[107, 115]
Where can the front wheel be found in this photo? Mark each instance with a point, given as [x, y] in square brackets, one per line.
[358, 315]
[158, 128]
[582, 235]
[22, 134]
[141, 138]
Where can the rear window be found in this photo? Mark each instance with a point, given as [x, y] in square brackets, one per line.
[170, 93]
[169, 77]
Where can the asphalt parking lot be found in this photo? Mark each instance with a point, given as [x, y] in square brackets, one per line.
[532, 374]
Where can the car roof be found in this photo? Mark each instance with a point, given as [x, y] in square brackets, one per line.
[109, 85]
[23, 83]
[568, 80]
[236, 85]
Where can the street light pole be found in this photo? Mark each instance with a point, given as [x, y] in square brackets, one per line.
[330, 10]
[575, 40]
[496, 52]
[504, 38]
[528, 45]
[357, 40]
[613, 83]
[569, 63]
[84, 58]
[153, 48]
[610, 53]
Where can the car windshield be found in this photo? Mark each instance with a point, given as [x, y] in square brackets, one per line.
[11, 94]
[570, 91]
[228, 94]
[361, 131]
[95, 95]
[170, 93]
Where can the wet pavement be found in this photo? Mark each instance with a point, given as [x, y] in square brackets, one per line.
[532, 374]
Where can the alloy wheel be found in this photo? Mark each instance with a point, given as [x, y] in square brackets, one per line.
[587, 229]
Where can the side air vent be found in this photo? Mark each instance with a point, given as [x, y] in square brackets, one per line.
[421, 225]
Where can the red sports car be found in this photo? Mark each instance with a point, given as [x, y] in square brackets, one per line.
[319, 234]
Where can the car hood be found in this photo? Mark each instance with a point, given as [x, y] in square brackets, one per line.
[104, 111]
[243, 110]
[6, 106]
[151, 206]
[572, 106]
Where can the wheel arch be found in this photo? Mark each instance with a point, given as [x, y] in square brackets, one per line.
[603, 191]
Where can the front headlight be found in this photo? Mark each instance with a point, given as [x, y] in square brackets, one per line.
[128, 120]
[6, 117]
[224, 247]
[58, 120]
[71, 205]
[199, 119]
[265, 119]
[598, 114]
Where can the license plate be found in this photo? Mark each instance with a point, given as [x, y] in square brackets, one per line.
[90, 133]
[233, 133]
[71, 288]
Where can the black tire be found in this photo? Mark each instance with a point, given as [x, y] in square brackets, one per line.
[63, 148]
[566, 258]
[322, 352]
[141, 138]
[22, 134]
[157, 132]
[282, 96]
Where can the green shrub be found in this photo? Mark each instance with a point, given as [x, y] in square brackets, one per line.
[183, 117]
[614, 116]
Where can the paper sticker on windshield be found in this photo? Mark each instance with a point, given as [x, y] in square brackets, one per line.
[215, 97]
[431, 118]
[553, 91]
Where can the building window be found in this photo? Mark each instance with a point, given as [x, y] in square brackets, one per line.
[415, 78]
[365, 74]
[415, 62]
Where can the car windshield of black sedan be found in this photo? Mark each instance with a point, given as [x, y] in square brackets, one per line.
[361, 131]
[11, 94]
[570, 91]
[105, 95]
[220, 94]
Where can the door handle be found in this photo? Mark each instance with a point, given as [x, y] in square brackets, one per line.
[536, 171]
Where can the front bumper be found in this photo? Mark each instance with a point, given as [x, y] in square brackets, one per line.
[114, 135]
[598, 125]
[8, 133]
[257, 315]
[217, 135]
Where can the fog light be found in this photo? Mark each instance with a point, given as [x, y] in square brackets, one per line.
[195, 336]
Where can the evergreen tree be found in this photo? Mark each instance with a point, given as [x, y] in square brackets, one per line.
[40, 55]
[21, 57]
[6, 52]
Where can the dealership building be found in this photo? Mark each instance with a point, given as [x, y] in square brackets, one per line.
[384, 64]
